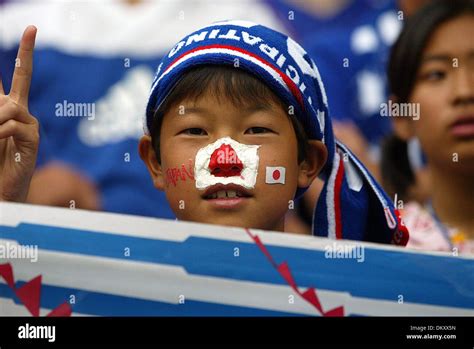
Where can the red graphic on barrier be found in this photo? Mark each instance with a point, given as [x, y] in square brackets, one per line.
[309, 295]
[173, 175]
[224, 162]
[30, 293]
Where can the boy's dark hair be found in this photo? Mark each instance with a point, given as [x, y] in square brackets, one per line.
[225, 83]
[404, 63]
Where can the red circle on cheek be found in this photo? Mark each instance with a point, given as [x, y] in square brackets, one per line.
[276, 174]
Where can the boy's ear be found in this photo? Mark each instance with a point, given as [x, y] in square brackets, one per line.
[311, 166]
[148, 155]
[402, 126]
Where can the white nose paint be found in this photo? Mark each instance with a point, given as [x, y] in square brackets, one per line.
[245, 155]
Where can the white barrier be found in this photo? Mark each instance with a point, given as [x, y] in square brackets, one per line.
[109, 264]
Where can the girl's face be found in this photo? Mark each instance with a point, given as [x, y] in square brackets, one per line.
[444, 88]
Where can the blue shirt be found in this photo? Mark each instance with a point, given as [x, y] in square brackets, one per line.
[351, 51]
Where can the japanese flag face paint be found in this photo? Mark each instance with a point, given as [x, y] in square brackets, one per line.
[275, 175]
[226, 161]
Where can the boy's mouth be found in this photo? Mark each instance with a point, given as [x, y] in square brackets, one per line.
[226, 192]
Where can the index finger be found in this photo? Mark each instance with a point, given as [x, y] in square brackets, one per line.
[23, 67]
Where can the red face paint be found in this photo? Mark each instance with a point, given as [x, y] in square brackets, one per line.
[174, 174]
[224, 162]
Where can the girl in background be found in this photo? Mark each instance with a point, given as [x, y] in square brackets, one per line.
[432, 65]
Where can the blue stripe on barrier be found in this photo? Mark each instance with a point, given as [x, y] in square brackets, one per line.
[94, 303]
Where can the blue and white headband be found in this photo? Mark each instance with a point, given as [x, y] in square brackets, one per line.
[352, 205]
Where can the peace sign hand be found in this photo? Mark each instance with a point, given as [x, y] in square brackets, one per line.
[19, 130]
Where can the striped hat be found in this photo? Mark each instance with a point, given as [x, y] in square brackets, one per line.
[352, 205]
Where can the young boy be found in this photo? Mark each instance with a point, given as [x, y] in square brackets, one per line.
[237, 127]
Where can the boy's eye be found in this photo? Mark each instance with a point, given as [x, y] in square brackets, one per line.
[194, 131]
[256, 130]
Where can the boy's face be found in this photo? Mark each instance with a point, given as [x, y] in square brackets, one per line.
[192, 125]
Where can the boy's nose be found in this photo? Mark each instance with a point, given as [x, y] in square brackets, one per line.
[225, 162]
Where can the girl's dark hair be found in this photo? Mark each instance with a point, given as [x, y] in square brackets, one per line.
[397, 174]
[404, 62]
[242, 89]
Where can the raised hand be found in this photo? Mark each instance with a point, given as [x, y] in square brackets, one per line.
[19, 130]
